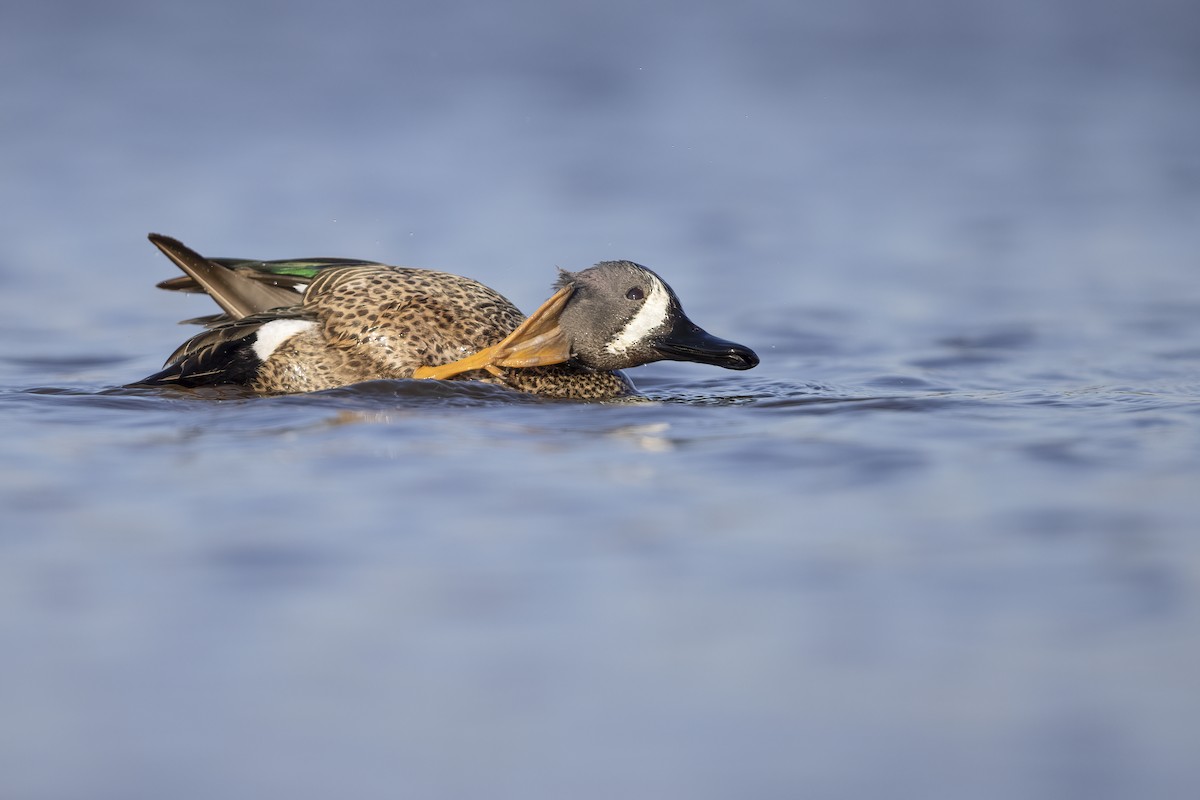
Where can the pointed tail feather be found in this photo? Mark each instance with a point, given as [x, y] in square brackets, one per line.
[238, 295]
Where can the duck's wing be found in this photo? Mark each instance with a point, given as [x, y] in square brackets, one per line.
[231, 352]
[243, 287]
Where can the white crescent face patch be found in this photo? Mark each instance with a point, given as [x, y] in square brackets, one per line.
[651, 316]
[275, 333]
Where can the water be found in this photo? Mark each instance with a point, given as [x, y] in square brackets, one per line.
[940, 544]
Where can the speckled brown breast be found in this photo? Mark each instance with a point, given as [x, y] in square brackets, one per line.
[384, 322]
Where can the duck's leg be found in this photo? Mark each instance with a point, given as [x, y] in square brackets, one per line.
[536, 342]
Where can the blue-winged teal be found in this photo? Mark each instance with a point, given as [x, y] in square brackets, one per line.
[304, 325]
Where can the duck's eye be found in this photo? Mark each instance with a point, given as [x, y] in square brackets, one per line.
[635, 293]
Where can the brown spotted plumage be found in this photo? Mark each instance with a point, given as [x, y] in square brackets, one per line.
[302, 326]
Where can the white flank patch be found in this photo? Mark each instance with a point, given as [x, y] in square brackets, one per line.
[649, 317]
[275, 333]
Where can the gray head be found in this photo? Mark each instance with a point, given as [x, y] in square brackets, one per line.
[621, 315]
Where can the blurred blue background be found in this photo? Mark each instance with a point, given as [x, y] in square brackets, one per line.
[775, 142]
[941, 543]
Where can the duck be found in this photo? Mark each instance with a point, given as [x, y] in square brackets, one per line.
[303, 325]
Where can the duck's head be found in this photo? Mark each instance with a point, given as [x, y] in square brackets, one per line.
[620, 314]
